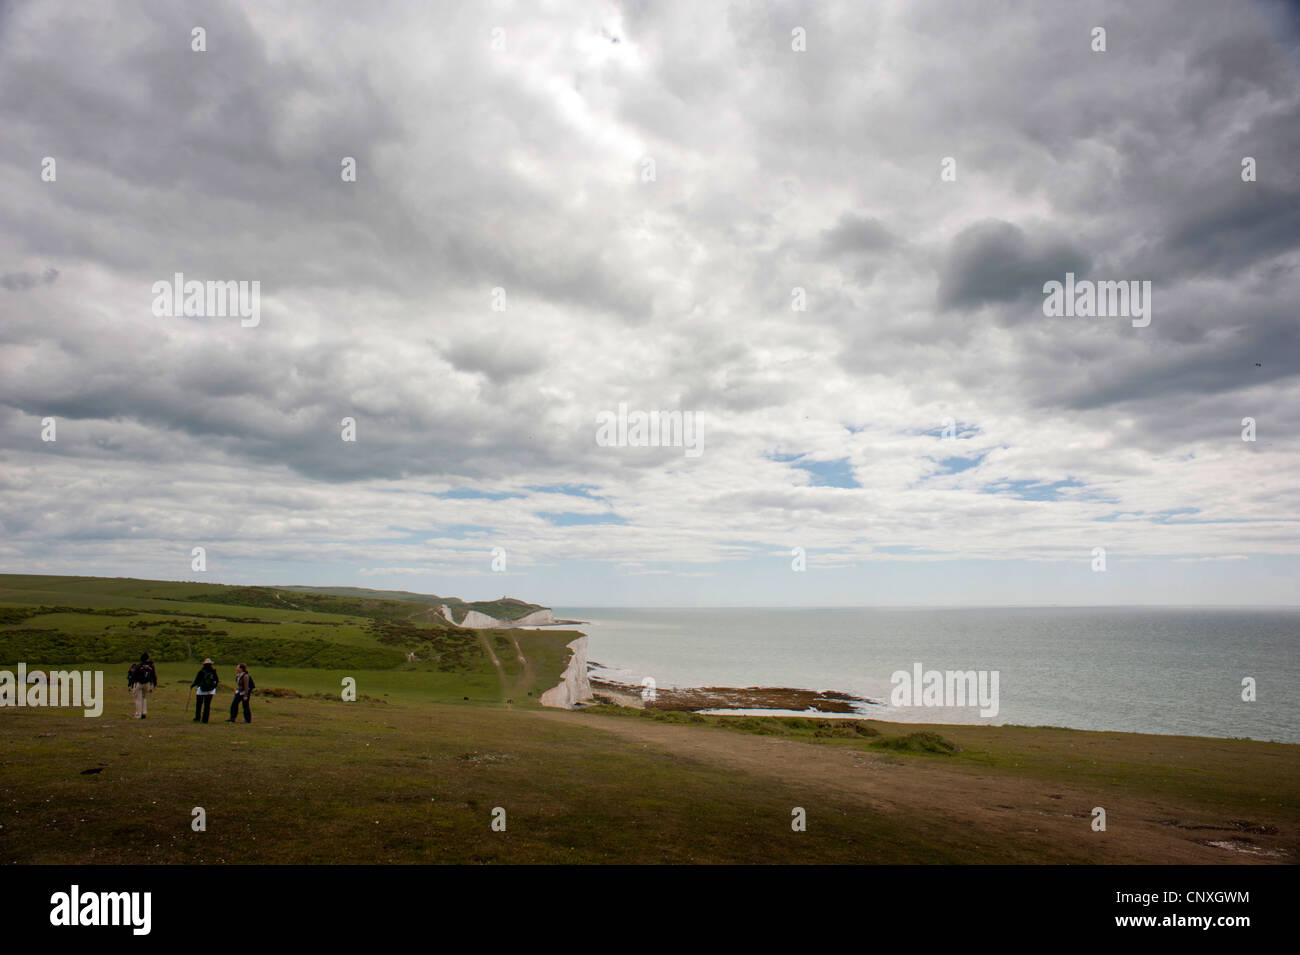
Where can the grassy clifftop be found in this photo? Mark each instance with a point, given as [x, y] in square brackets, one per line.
[396, 778]
[65, 620]
[413, 769]
[506, 608]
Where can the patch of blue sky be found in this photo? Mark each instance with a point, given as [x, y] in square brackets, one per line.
[955, 464]
[470, 494]
[570, 519]
[1170, 516]
[573, 490]
[1030, 490]
[959, 430]
[836, 473]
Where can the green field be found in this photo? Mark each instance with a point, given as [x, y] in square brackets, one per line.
[81, 620]
[412, 771]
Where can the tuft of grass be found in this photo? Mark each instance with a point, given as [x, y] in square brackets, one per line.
[923, 742]
[795, 727]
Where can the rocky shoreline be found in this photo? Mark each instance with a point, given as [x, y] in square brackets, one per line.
[694, 699]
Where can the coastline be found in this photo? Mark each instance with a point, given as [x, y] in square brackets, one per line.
[1076, 668]
[574, 687]
[782, 700]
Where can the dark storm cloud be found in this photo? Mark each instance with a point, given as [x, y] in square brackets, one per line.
[995, 261]
[856, 234]
[1246, 230]
[487, 357]
[21, 281]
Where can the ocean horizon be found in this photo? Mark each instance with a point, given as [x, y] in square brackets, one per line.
[1135, 668]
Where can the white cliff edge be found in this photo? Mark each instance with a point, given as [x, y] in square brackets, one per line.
[481, 621]
[574, 687]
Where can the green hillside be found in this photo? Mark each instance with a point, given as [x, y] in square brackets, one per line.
[66, 620]
[506, 608]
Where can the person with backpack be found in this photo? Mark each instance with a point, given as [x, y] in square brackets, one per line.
[206, 681]
[244, 687]
[141, 680]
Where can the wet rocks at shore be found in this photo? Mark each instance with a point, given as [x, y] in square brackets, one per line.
[694, 699]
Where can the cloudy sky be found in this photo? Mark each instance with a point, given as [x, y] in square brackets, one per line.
[557, 212]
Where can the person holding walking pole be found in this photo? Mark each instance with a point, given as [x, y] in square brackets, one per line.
[206, 681]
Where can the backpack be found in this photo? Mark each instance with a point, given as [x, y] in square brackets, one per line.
[139, 673]
[131, 674]
[208, 679]
[251, 685]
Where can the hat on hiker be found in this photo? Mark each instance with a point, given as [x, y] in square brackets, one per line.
[207, 661]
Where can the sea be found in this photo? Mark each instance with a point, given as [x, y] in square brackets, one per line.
[1181, 671]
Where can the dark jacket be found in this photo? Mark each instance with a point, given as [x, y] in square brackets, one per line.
[212, 678]
[243, 684]
[142, 672]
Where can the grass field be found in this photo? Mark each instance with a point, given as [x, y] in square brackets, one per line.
[413, 770]
[80, 620]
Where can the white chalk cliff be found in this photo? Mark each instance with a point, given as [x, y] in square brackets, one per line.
[481, 621]
[574, 687]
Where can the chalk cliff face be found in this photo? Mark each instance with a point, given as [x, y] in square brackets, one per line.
[481, 621]
[574, 687]
[538, 618]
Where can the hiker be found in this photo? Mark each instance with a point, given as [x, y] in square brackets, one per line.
[244, 687]
[206, 681]
[141, 680]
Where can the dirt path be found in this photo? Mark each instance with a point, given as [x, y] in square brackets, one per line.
[528, 676]
[1001, 806]
[501, 673]
[427, 613]
[283, 601]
